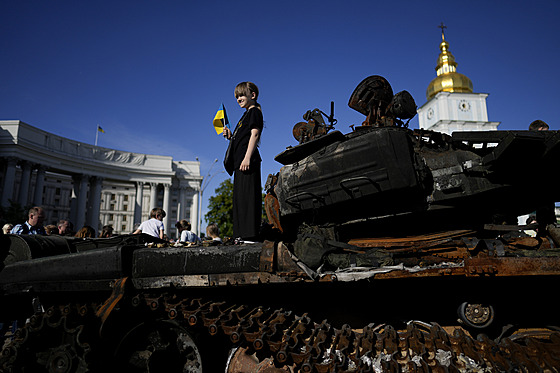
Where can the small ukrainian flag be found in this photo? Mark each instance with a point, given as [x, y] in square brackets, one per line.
[100, 129]
[220, 120]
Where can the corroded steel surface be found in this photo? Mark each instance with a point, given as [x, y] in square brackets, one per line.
[299, 343]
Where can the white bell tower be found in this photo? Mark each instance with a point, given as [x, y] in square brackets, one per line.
[452, 105]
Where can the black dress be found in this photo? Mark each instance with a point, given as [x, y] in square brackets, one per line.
[247, 191]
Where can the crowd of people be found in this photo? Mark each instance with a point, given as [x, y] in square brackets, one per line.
[154, 227]
[34, 225]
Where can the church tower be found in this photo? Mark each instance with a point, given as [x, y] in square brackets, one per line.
[452, 105]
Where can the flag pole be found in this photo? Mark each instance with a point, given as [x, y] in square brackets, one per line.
[96, 134]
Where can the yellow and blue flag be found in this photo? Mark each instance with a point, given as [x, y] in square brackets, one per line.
[220, 120]
[100, 129]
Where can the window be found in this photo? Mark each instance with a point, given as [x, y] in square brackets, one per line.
[125, 198]
[125, 207]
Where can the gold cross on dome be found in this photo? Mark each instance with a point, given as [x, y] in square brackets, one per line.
[442, 27]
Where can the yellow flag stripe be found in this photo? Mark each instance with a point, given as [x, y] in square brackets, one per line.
[218, 122]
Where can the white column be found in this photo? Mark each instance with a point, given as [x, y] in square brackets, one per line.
[166, 205]
[39, 185]
[82, 201]
[74, 200]
[24, 185]
[181, 203]
[95, 203]
[153, 195]
[138, 204]
[195, 220]
[9, 181]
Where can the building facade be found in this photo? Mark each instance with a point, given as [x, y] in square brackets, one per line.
[91, 185]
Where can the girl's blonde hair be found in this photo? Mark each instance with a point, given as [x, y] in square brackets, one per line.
[245, 89]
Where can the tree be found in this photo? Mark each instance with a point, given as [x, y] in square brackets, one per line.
[220, 208]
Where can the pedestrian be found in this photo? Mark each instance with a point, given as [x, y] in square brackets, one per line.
[184, 228]
[213, 233]
[85, 232]
[106, 232]
[51, 229]
[154, 226]
[65, 227]
[538, 125]
[245, 164]
[34, 223]
[7, 228]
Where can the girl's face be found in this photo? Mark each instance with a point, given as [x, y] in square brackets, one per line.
[246, 102]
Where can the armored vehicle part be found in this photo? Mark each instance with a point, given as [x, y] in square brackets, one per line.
[389, 176]
[315, 126]
[390, 258]
[374, 98]
[276, 314]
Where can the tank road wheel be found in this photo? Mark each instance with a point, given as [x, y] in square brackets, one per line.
[476, 315]
[46, 344]
[160, 346]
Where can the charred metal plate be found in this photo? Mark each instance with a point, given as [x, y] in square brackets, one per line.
[371, 90]
[211, 280]
[351, 176]
[69, 272]
[543, 266]
[297, 153]
[171, 261]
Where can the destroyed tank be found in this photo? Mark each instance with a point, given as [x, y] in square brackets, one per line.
[389, 250]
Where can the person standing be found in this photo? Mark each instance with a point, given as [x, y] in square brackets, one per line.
[538, 125]
[247, 191]
[34, 223]
[546, 214]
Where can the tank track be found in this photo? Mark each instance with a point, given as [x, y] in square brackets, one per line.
[57, 341]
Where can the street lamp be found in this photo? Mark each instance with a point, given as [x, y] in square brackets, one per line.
[204, 183]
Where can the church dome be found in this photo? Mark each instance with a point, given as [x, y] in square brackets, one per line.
[447, 79]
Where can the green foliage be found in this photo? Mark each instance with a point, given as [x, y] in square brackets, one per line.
[220, 208]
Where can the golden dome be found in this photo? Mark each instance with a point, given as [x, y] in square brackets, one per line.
[448, 79]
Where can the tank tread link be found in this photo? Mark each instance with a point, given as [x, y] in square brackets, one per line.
[262, 340]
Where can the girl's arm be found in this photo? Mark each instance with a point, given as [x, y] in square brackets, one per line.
[227, 133]
[161, 234]
[253, 140]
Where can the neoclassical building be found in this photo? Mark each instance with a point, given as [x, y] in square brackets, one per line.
[92, 185]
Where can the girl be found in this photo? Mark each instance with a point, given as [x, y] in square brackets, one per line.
[247, 195]
[154, 226]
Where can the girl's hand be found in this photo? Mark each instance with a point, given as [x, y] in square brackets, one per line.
[227, 133]
[245, 164]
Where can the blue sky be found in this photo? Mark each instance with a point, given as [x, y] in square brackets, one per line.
[154, 73]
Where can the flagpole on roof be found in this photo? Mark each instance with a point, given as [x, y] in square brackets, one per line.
[96, 134]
